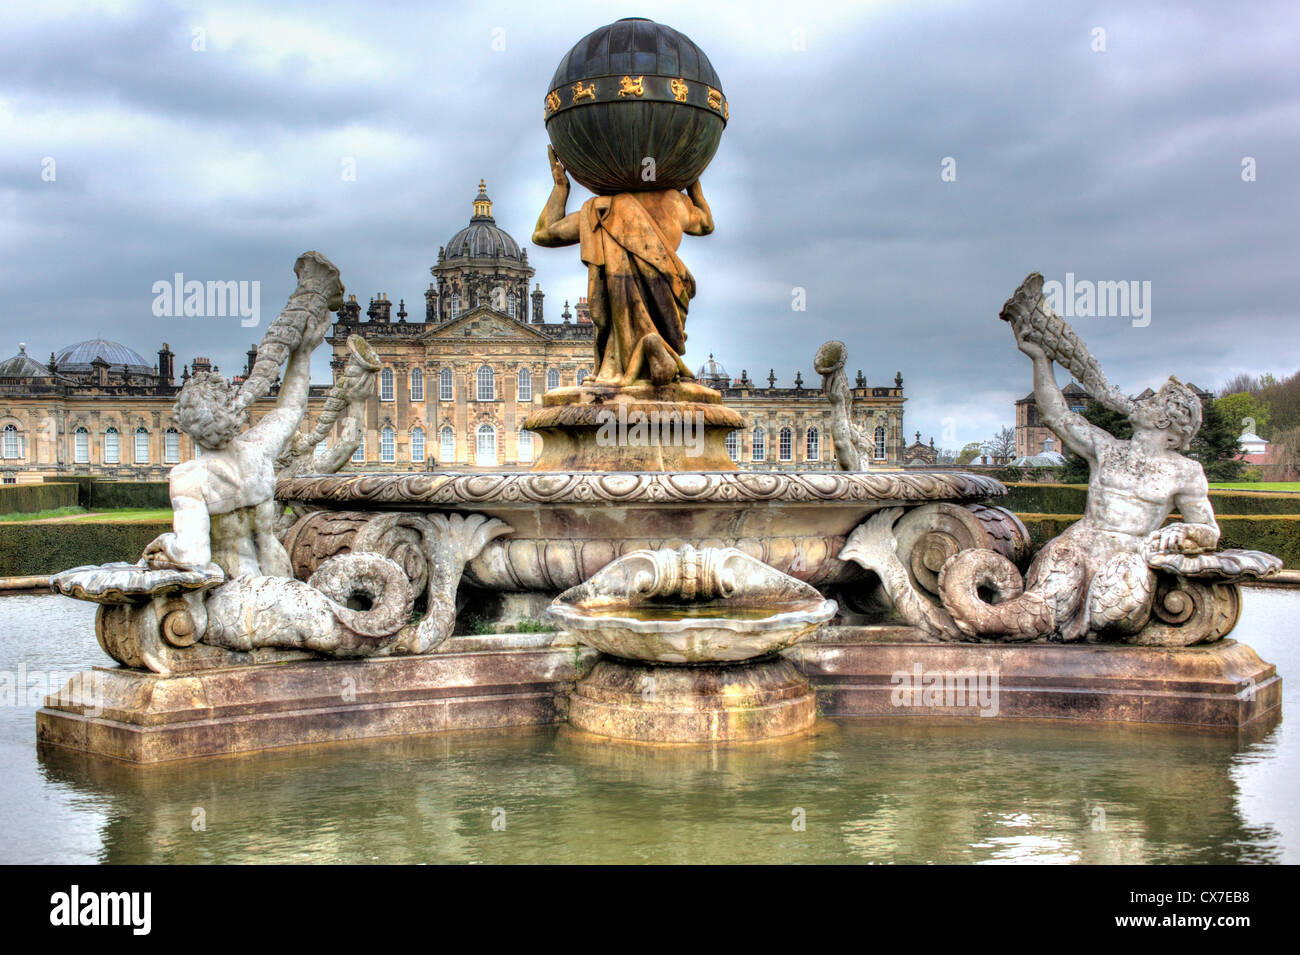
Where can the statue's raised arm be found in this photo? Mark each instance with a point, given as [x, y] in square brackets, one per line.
[1045, 338]
[292, 337]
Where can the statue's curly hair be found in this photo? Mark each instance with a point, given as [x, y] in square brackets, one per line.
[1178, 408]
[208, 410]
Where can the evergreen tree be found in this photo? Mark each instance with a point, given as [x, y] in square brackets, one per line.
[1215, 445]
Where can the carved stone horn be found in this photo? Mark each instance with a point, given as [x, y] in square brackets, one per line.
[1028, 312]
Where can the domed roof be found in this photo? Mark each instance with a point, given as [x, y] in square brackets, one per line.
[482, 238]
[22, 365]
[78, 357]
[711, 369]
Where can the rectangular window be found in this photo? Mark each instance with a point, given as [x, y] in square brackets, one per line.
[81, 447]
[142, 447]
[171, 447]
[417, 445]
[112, 452]
[359, 455]
[387, 446]
[446, 391]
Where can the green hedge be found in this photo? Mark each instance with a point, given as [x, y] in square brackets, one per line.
[97, 494]
[1069, 499]
[47, 548]
[109, 495]
[30, 498]
[1276, 534]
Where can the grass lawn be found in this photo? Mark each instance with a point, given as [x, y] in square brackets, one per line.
[65, 512]
[1259, 486]
[79, 515]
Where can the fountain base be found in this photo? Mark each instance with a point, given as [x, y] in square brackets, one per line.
[649, 703]
[678, 427]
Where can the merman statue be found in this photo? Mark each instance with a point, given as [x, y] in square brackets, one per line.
[1099, 576]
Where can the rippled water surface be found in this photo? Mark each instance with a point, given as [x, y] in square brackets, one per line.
[867, 791]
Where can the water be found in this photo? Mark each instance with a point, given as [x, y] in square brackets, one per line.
[869, 791]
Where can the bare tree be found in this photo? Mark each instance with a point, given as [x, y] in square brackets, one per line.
[1002, 447]
[1242, 383]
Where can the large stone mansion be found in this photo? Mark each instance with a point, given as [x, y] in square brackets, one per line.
[454, 391]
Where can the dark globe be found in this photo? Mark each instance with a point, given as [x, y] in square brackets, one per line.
[635, 106]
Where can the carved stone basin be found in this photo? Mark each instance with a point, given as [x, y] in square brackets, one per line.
[569, 525]
[691, 606]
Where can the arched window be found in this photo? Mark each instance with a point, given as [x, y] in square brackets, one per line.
[359, 455]
[582, 375]
[487, 384]
[446, 389]
[785, 444]
[525, 385]
[880, 443]
[417, 384]
[81, 446]
[386, 385]
[11, 443]
[552, 379]
[525, 446]
[172, 446]
[487, 446]
[511, 304]
[814, 445]
[758, 448]
[455, 304]
[417, 444]
[112, 447]
[447, 446]
[387, 445]
[141, 446]
[733, 445]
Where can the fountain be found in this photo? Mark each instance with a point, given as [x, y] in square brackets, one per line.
[697, 603]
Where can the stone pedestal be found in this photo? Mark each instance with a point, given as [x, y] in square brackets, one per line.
[865, 671]
[760, 700]
[480, 683]
[640, 427]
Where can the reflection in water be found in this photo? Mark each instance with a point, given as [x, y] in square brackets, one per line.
[867, 791]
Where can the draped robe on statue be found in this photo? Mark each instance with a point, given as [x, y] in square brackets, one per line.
[638, 287]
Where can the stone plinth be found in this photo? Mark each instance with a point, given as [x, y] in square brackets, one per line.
[677, 427]
[693, 704]
[480, 683]
[859, 671]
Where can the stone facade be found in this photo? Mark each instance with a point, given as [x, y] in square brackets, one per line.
[454, 390]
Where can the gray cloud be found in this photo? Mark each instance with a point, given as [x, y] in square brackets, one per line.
[1126, 164]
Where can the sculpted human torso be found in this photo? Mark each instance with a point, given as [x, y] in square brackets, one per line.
[1133, 493]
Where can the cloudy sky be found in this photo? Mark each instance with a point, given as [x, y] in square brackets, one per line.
[1112, 141]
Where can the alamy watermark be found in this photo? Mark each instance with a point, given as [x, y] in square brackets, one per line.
[1084, 298]
[947, 689]
[642, 429]
[82, 689]
[177, 298]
